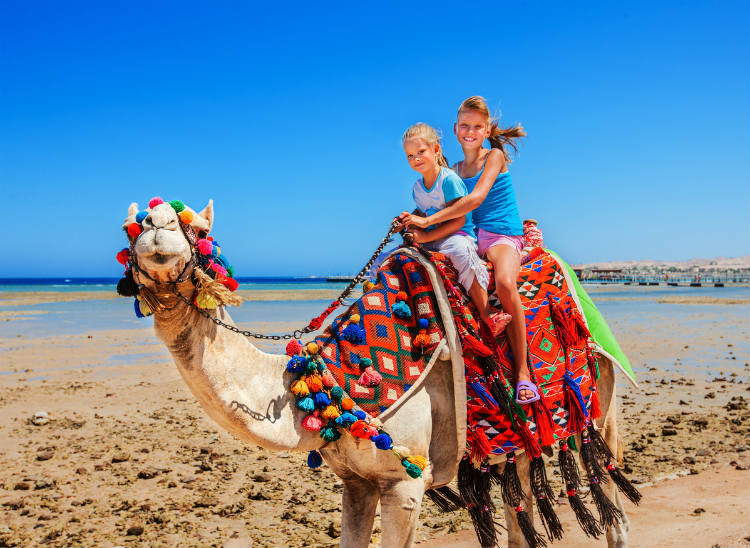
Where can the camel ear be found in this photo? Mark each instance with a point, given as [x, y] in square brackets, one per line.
[132, 212]
[204, 220]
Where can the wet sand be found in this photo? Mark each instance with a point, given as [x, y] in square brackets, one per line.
[127, 457]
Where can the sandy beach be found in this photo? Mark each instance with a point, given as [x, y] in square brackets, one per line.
[119, 453]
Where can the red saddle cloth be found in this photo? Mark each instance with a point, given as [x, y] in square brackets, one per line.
[563, 372]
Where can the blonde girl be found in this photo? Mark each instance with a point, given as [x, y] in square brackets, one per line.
[437, 188]
[492, 203]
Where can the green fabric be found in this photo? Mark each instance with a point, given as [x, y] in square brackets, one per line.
[598, 327]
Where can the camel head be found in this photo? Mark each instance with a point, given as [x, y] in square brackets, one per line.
[159, 242]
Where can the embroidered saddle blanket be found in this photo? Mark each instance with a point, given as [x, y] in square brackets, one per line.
[388, 346]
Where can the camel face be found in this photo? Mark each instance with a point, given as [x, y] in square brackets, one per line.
[162, 248]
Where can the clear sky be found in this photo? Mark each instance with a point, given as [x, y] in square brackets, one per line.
[290, 117]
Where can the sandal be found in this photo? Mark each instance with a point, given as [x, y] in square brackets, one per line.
[530, 386]
[497, 322]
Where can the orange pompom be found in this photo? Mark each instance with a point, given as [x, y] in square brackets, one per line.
[347, 404]
[360, 429]
[401, 296]
[186, 216]
[314, 383]
[312, 348]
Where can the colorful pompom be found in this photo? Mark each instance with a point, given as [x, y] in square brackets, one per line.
[367, 286]
[137, 309]
[123, 255]
[177, 205]
[205, 246]
[134, 230]
[369, 377]
[312, 366]
[360, 429]
[402, 310]
[312, 423]
[330, 413]
[417, 460]
[328, 380]
[220, 270]
[296, 364]
[314, 383]
[314, 459]
[153, 202]
[337, 393]
[293, 347]
[230, 283]
[346, 420]
[329, 432]
[413, 470]
[306, 404]
[230, 271]
[347, 404]
[321, 400]
[299, 388]
[422, 339]
[186, 216]
[423, 323]
[354, 318]
[312, 348]
[354, 334]
[365, 362]
[361, 415]
[206, 301]
[401, 296]
[140, 216]
[127, 286]
[382, 441]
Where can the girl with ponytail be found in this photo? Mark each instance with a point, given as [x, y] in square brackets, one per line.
[492, 203]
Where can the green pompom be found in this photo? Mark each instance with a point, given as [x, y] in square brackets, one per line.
[337, 392]
[177, 205]
[330, 432]
[365, 362]
[413, 470]
[311, 366]
[230, 271]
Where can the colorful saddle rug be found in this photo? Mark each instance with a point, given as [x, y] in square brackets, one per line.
[385, 343]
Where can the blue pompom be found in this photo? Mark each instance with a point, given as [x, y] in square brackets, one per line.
[137, 307]
[361, 415]
[382, 441]
[354, 334]
[314, 459]
[321, 399]
[415, 277]
[296, 364]
[346, 420]
[402, 310]
[306, 404]
[140, 216]
[423, 323]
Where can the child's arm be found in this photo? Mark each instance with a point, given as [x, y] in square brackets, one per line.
[494, 165]
[445, 229]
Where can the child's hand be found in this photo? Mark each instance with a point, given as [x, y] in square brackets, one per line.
[411, 220]
[418, 235]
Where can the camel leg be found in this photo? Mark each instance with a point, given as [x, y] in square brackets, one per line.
[358, 505]
[515, 536]
[400, 502]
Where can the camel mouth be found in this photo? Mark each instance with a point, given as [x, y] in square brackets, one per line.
[160, 258]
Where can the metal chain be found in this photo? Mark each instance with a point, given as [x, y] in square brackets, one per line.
[299, 332]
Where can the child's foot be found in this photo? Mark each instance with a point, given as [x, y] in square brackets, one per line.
[497, 322]
[526, 392]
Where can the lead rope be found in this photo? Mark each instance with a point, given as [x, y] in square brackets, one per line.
[316, 322]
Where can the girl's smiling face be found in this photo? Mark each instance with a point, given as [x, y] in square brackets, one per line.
[421, 155]
[471, 129]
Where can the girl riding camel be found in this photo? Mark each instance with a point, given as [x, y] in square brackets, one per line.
[492, 203]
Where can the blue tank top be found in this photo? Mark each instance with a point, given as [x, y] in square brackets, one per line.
[498, 213]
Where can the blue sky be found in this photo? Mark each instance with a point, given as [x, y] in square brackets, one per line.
[290, 117]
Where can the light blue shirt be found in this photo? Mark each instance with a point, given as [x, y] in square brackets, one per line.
[498, 213]
[447, 188]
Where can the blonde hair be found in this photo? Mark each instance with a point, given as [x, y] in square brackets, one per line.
[429, 134]
[499, 137]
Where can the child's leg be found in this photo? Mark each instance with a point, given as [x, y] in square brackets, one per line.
[507, 263]
[472, 273]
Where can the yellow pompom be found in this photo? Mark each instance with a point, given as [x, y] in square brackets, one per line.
[417, 460]
[312, 348]
[299, 388]
[330, 413]
[186, 216]
[144, 307]
[206, 301]
[367, 286]
[354, 318]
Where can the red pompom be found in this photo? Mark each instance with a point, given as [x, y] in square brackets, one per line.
[134, 230]
[230, 283]
[205, 246]
[293, 348]
[360, 429]
[123, 255]
[153, 202]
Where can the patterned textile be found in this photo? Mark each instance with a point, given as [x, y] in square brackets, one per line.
[388, 343]
[388, 338]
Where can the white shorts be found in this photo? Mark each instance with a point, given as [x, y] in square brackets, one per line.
[462, 251]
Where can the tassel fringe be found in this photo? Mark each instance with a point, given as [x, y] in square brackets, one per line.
[446, 499]
[586, 520]
[542, 491]
[623, 484]
[533, 539]
[609, 514]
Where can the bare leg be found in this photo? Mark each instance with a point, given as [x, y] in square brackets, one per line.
[479, 297]
[507, 264]
[358, 505]
[400, 502]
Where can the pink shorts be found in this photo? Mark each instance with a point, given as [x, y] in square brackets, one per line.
[486, 240]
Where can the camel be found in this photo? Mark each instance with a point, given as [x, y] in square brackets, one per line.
[223, 369]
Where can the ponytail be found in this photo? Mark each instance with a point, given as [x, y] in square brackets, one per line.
[502, 137]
